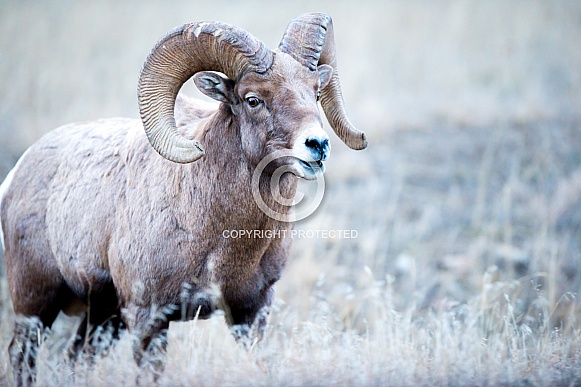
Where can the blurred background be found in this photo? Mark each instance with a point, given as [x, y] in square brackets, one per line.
[405, 64]
[472, 111]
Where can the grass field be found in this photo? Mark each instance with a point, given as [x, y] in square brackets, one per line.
[466, 268]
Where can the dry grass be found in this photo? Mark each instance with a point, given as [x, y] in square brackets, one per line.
[467, 205]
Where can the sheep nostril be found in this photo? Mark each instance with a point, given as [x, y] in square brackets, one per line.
[313, 143]
[320, 147]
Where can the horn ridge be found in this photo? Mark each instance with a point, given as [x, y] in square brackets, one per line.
[182, 52]
[310, 40]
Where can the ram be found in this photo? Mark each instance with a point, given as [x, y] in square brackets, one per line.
[94, 220]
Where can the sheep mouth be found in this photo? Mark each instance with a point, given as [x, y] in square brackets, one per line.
[312, 169]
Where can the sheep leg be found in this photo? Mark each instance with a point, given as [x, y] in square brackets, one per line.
[151, 352]
[96, 337]
[23, 349]
[29, 331]
[150, 348]
[38, 292]
[248, 324]
[105, 334]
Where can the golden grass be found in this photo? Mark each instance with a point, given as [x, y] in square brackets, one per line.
[483, 342]
[467, 205]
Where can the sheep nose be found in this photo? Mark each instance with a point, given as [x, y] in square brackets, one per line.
[319, 147]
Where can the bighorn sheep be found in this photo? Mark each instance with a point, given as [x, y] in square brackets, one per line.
[93, 217]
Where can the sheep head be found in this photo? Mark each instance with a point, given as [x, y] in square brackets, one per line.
[272, 94]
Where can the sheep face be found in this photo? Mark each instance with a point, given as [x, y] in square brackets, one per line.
[277, 111]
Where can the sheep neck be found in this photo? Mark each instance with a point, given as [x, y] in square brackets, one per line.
[228, 171]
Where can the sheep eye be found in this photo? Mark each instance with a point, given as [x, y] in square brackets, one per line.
[253, 102]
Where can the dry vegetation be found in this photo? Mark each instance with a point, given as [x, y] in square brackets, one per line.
[466, 268]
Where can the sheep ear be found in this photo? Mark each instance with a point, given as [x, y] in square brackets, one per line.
[325, 73]
[215, 86]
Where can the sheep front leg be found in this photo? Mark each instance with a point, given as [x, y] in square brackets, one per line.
[248, 324]
[248, 320]
[149, 350]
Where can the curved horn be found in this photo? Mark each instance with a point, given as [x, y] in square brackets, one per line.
[184, 51]
[310, 40]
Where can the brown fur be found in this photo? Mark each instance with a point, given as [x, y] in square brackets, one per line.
[95, 214]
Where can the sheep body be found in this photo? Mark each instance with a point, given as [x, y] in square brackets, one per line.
[115, 217]
[152, 208]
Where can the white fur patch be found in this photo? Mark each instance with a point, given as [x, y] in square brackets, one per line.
[4, 189]
[313, 132]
